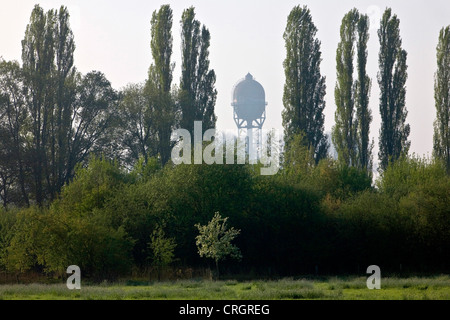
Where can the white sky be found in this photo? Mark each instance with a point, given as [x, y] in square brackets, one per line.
[113, 36]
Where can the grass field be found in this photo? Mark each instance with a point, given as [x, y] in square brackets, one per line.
[434, 288]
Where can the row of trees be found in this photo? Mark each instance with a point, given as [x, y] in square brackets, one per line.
[151, 111]
[52, 117]
[326, 219]
[305, 88]
[108, 216]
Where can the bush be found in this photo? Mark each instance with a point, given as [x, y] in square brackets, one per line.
[408, 173]
[370, 229]
[92, 187]
[428, 207]
[50, 241]
[319, 218]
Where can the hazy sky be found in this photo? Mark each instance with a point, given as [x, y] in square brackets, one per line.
[113, 36]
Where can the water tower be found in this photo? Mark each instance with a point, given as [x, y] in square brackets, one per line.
[249, 111]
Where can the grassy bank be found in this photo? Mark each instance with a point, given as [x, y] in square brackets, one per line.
[435, 288]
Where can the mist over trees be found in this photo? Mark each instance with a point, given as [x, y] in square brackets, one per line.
[304, 88]
[197, 96]
[86, 176]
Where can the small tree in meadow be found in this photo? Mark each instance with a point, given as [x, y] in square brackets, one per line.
[162, 249]
[214, 240]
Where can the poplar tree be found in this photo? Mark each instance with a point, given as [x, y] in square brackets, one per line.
[441, 146]
[344, 131]
[197, 95]
[304, 88]
[392, 78]
[65, 75]
[351, 132]
[362, 93]
[38, 54]
[160, 75]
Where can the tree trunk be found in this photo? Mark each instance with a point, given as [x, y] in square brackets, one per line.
[217, 269]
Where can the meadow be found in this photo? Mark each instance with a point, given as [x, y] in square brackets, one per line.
[333, 288]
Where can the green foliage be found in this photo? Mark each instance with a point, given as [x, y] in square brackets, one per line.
[7, 221]
[52, 117]
[404, 222]
[352, 180]
[99, 250]
[290, 222]
[428, 208]
[137, 134]
[344, 130]
[144, 169]
[159, 82]
[162, 248]
[392, 78]
[353, 117]
[328, 176]
[369, 227]
[441, 139]
[197, 96]
[13, 124]
[18, 245]
[298, 158]
[51, 241]
[91, 187]
[407, 174]
[304, 88]
[363, 85]
[315, 214]
[214, 240]
[72, 231]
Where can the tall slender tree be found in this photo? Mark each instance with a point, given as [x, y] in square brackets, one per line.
[304, 88]
[65, 95]
[441, 146]
[344, 131]
[351, 132]
[362, 94]
[159, 82]
[197, 95]
[392, 78]
[38, 54]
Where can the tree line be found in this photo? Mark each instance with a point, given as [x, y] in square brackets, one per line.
[86, 176]
[324, 219]
[305, 89]
[52, 117]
